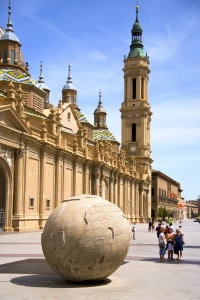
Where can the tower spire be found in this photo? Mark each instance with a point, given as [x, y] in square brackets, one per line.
[41, 77]
[9, 32]
[137, 9]
[136, 47]
[41, 83]
[9, 24]
[100, 115]
[69, 83]
[100, 102]
[69, 91]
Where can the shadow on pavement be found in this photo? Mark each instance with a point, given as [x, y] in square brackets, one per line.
[175, 261]
[27, 266]
[41, 275]
[54, 281]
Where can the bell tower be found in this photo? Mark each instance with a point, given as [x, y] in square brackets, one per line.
[135, 109]
[136, 118]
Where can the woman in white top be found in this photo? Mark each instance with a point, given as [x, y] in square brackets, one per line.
[162, 243]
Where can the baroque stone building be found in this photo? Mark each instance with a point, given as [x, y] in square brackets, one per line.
[166, 194]
[49, 153]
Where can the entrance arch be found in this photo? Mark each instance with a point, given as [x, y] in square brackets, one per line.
[6, 196]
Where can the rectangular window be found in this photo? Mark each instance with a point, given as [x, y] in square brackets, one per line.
[47, 204]
[134, 88]
[31, 202]
[133, 132]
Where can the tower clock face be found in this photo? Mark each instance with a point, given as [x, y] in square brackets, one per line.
[133, 148]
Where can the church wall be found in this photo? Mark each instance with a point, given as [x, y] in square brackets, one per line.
[68, 180]
[49, 184]
[79, 180]
[32, 184]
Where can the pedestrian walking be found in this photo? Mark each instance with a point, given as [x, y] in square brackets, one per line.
[134, 230]
[150, 226]
[153, 226]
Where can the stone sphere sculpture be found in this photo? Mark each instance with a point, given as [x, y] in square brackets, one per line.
[86, 238]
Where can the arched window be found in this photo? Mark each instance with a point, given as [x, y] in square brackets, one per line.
[134, 88]
[133, 132]
[142, 88]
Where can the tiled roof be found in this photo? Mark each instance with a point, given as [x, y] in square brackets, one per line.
[82, 118]
[16, 76]
[103, 134]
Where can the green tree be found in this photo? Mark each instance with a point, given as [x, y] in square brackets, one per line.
[162, 213]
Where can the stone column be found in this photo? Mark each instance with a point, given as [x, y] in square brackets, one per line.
[41, 200]
[140, 204]
[58, 187]
[119, 191]
[86, 186]
[125, 196]
[97, 182]
[137, 200]
[74, 177]
[18, 181]
[138, 88]
[111, 188]
[132, 205]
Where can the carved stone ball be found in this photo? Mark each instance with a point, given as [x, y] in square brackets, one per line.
[86, 238]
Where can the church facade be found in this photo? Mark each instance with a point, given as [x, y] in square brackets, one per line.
[50, 153]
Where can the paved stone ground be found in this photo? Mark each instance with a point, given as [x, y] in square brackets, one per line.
[24, 273]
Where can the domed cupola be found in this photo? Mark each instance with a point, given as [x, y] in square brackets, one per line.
[9, 32]
[42, 85]
[69, 91]
[11, 56]
[136, 47]
[100, 115]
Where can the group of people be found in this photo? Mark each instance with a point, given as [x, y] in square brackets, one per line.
[170, 241]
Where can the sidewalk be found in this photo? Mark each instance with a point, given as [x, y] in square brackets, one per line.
[24, 273]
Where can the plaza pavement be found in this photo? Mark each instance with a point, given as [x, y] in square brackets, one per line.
[24, 273]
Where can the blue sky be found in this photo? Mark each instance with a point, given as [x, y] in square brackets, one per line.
[93, 36]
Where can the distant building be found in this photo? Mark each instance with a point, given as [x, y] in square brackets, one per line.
[166, 197]
[48, 154]
[192, 208]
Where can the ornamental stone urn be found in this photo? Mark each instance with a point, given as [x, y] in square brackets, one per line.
[86, 238]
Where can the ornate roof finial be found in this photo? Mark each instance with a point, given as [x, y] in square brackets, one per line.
[41, 84]
[137, 9]
[9, 24]
[136, 47]
[100, 102]
[100, 106]
[41, 77]
[69, 79]
[9, 32]
[69, 84]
